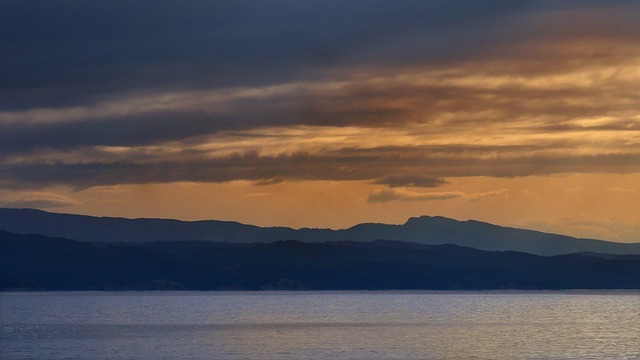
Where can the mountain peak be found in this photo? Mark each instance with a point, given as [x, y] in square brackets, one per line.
[428, 220]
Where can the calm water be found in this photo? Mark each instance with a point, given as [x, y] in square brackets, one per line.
[320, 325]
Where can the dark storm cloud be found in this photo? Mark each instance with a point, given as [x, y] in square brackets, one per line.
[74, 52]
[71, 51]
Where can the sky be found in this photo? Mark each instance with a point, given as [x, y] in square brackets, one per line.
[325, 114]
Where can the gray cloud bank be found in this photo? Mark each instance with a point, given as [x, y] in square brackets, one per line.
[345, 164]
[73, 52]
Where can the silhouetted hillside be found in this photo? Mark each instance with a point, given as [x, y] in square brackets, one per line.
[38, 262]
[423, 230]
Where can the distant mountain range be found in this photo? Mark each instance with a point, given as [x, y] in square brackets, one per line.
[421, 230]
[36, 262]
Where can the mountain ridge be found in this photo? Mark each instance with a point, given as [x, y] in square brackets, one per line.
[36, 262]
[424, 229]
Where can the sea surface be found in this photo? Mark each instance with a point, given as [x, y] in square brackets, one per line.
[320, 325]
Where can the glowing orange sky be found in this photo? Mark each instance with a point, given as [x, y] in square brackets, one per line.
[528, 118]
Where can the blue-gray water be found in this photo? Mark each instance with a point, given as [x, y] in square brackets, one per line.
[320, 325]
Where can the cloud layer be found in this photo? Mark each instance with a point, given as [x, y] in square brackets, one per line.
[36, 199]
[403, 96]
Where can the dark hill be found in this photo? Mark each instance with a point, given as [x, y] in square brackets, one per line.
[42, 263]
[422, 230]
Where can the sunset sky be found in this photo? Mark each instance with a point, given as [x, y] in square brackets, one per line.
[325, 113]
